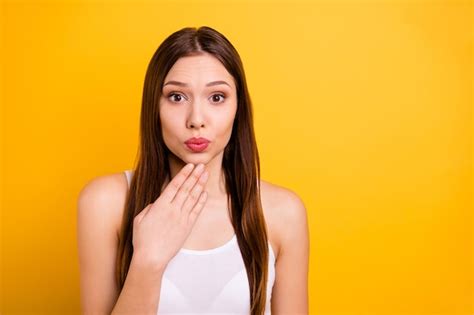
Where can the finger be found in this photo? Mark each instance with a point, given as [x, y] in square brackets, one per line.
[195, 192]
[196, 211]
[173, 186]
[183, 192]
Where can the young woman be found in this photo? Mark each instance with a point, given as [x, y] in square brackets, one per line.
[193, 229]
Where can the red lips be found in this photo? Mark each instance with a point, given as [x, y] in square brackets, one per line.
[197, 144]
[197, 140]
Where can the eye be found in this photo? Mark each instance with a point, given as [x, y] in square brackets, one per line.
[176, 97]
[216, 97]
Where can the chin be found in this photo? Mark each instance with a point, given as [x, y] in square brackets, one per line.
[185, 156]
[196, 160]
[205, 157]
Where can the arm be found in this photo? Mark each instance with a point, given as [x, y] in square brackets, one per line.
[141, 290]
[158, 232]
[99, 212]
[290, 290]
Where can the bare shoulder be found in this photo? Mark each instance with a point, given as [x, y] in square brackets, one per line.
[105, 196]
[287, 221]
[100, 206]
[284, 212]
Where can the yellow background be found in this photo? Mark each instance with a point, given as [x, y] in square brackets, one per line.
[364, 108]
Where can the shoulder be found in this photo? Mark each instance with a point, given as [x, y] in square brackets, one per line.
[282, 200]
[287, 223]
[285, 214]
[100, 205]
[103, 198]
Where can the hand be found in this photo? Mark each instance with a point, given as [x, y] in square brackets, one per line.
[161, 228]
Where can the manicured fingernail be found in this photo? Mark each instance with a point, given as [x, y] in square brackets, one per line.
[205, 175]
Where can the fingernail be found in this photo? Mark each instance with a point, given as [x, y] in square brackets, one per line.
[205, 175]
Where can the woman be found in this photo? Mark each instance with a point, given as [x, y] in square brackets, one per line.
[193, 229]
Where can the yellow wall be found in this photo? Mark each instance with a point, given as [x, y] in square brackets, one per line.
[364, 108]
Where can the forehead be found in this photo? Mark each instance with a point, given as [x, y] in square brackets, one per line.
[198, 70]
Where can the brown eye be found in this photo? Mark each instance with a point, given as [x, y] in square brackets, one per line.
[218, 98]
[175, 97]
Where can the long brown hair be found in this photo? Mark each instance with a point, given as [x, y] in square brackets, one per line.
[240, 162]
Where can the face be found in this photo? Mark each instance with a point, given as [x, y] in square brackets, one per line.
[199, 100]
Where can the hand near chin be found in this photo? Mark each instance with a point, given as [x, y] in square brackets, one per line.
[162, 227]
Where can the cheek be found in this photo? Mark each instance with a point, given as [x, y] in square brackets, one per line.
[169, 116]
[226, 123]
[169, 124]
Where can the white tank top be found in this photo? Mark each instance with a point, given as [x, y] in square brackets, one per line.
[209, 281]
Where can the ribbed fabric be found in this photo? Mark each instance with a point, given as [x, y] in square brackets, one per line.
[212, 281]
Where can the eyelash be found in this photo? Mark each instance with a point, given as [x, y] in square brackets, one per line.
[219, 94]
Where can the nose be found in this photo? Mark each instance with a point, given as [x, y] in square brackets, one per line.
[195, 117]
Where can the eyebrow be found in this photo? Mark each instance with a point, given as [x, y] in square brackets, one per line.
[185, 85]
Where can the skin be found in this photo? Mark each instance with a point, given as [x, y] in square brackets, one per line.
[198, 111]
